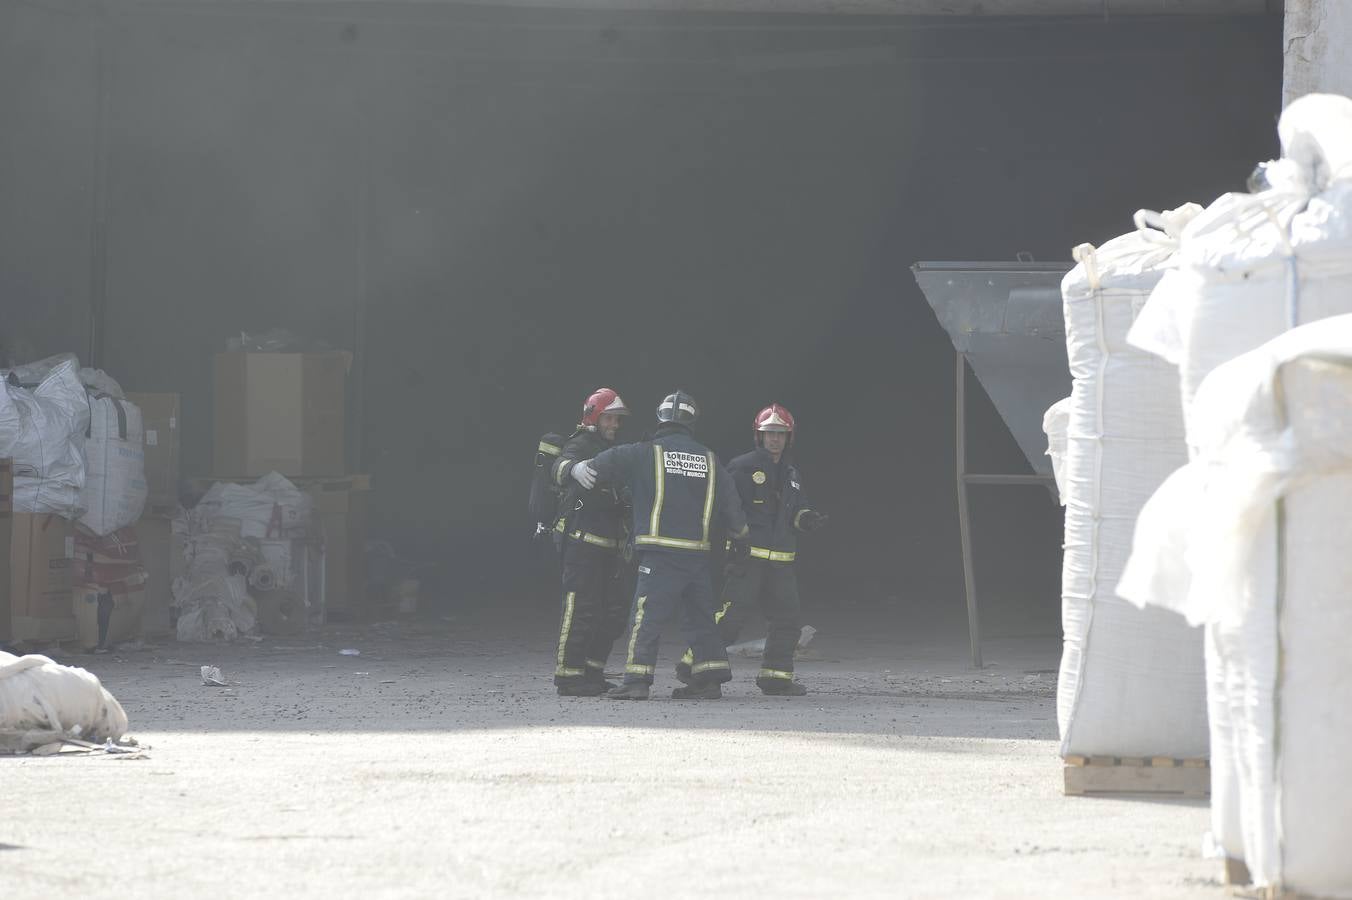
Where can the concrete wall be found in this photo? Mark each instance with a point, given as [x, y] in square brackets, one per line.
[511, 207]
[1318, 54]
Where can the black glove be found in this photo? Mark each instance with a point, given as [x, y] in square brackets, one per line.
[811, 520]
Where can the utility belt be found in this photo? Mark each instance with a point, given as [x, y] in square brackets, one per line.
[586, 537]
[786, 556]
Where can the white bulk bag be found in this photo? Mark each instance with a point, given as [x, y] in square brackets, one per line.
[1131, 680]
[1248, 268]
[115, 489]
[1254, 531]
[42, 430]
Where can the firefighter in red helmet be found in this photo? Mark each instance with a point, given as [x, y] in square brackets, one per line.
[760, 568]
[589, 533]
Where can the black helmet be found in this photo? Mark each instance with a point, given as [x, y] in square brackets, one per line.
[678, 407]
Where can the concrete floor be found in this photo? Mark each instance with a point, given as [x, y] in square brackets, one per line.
[440, 762]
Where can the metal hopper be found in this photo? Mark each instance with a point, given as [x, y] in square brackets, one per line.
[1005, 322]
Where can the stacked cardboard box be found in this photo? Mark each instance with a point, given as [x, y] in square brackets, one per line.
[286, 412]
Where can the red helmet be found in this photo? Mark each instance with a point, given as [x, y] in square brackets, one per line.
[602, 400]
[773, 418]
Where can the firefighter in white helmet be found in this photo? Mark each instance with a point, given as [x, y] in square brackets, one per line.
[761, 568]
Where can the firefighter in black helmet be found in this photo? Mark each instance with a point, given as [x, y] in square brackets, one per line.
[589, 536]
[760, 570]
[680, 492]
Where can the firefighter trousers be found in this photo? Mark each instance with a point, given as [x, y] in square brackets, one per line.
[773, 587]
[593, 612]
[675, 587]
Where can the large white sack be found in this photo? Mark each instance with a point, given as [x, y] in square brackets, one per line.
[38, 695]
[1249, 268]
[1131, 680]
[1273, 425]
[96, 380]
[115, 487]
[42, 431]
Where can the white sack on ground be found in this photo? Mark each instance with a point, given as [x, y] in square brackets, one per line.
[42, 430]
[1249, 268]
[38, 695]
[1273, 424]
[96, 380]
[1055, 421]
[1132, 680]
[115, 486]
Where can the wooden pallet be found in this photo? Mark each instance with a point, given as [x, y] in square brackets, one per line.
[1137, 775]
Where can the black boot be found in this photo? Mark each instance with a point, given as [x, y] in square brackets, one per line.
[780, 687]
[598, 679]
[630, 690]
[708, 691]
[581, 689]
[683, 674]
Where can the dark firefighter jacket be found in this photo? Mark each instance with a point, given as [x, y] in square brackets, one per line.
[772, 496]
[594, 516]
[678, 488]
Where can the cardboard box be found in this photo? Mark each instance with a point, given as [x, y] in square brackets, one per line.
[283, 412]
[159, 421]
[158, 544]
[41, 548]
[124, 611]
[342, 511]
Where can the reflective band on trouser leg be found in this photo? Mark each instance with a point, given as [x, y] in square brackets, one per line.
[773, 555]
[593, 664]
[560, 671]
[629, 665]
[636, 669]
[775, 673]
[710, 666]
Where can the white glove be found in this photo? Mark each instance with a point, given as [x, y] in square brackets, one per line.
[584, 474]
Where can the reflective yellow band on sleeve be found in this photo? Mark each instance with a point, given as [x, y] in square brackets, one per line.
[773, 555]
[775, 673]
[709, 490]
[797, 516]
[710, 666]
[550, 449]
[558, 472]
[589, 538]
[659, 491]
